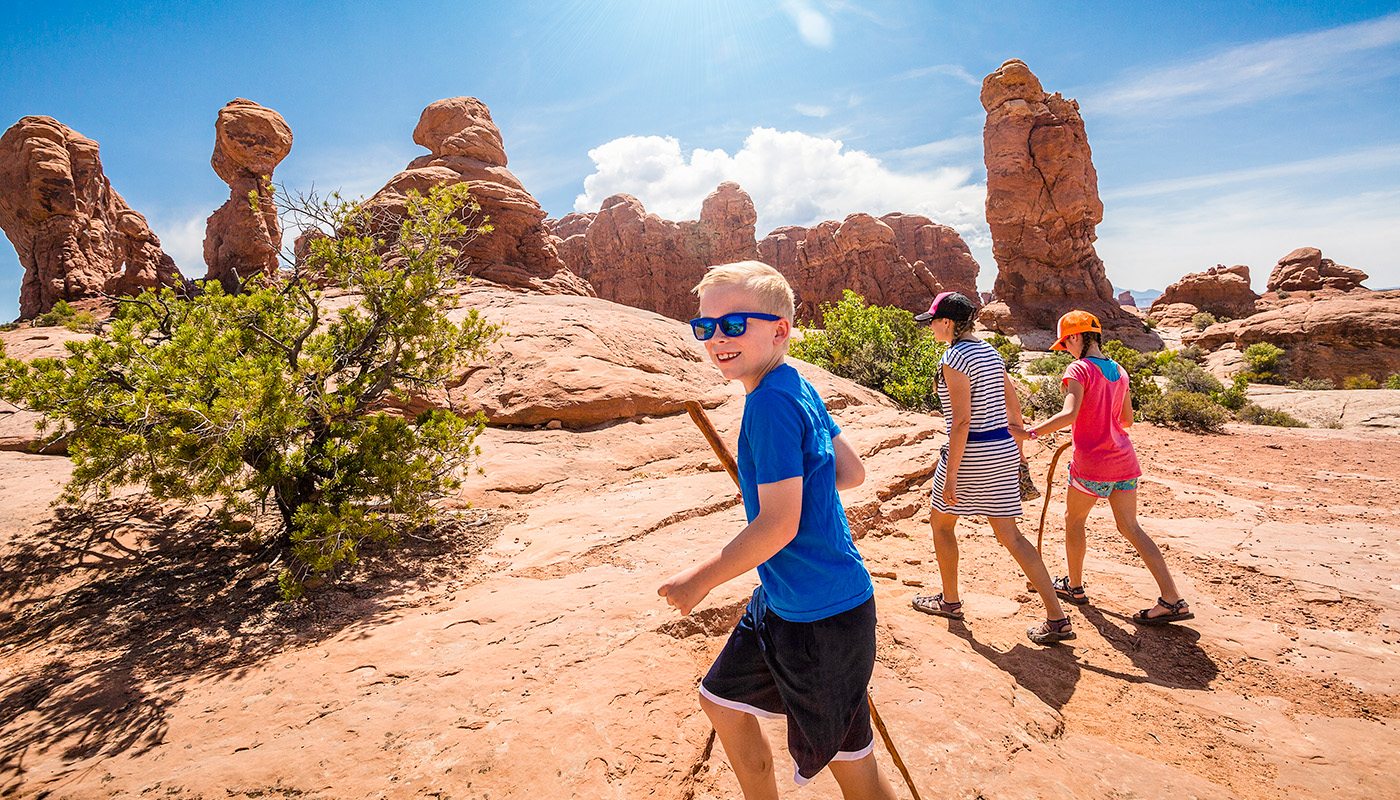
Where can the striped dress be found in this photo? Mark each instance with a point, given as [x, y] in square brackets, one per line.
[988, 475]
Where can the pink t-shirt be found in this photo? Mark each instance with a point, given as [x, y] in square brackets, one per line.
[1102, 450]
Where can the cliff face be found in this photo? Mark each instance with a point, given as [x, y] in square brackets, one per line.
[1042, 207]
[74, 235]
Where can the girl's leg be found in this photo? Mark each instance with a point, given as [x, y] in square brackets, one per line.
[945, 549]
[1124, 505]
[1077, 508]
[1031, 564]
[747, 746]
[862, 779]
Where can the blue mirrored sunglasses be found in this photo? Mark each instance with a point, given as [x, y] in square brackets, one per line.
[731, 324]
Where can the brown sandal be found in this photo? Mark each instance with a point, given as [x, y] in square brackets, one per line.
[934, 605]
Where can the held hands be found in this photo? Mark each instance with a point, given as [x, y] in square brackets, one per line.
[1019, 433]
[684, 590]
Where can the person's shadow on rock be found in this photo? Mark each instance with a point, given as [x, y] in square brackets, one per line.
[1168, 655]
[1050, 673]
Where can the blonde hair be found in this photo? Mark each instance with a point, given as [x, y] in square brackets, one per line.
[770, 291]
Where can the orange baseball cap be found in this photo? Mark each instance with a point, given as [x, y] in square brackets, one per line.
[1075, 322]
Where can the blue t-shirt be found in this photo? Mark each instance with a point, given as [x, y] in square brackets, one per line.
[787, 433]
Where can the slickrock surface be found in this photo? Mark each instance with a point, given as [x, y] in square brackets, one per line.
[1334, 337]
[1222, 291]
[1305, 269]
[641, 260]
[467, 148]
[1042, 207]
[242, 239]
[522, 652]
[74, 235]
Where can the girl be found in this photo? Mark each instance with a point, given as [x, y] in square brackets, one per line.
[1104, 465]
[978, 473]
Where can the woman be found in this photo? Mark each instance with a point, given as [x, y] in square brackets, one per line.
[979, 470]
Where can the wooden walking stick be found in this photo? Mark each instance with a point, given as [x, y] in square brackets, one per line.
[1049, 485]
[702, 421]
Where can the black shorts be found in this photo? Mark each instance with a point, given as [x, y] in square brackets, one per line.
[813, 673]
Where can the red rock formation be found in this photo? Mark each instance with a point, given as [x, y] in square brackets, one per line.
[243, 237]
[641, 260]
[75, 236]
[1335, 337]
[926, 245]
[863, 254]
[1125, 298]
[1222, 291]
[1042, 207]
[467, 148]
[1305, 269]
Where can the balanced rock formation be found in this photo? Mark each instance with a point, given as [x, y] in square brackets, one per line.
[641, 260]
[75, 236]
[1334, 338]
[1222, 291]
[1305, 270]
[1125, 298]
[467, 148]
[893, 261]
[242, 239]
[1042, 207]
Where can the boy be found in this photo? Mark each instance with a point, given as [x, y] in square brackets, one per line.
[805, 647]
[1104, 466]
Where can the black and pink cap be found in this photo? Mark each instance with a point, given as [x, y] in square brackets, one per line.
[949, 305]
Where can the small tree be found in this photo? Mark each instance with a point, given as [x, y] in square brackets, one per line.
[265, 396]
[878, 347]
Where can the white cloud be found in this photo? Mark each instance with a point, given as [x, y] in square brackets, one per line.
[811, 111]
[951, 70]
[182, 238]
[812, 25]
[794, 179]
[1258, 71]
[1154, 244]
[943, 148]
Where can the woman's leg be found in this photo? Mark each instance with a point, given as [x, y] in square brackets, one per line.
[1124, 505]
[747, 746]
[1077, 508]
[945, 549]
[1031, 564]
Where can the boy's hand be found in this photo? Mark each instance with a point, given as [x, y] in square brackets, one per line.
[684, 591]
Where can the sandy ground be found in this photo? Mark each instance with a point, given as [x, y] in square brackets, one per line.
[522, 652]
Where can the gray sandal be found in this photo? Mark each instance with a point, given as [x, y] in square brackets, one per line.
[934, 605]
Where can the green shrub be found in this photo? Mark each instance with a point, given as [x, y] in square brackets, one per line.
[1010, 351]
[1192, 352]
[1149, 323]
[1282, 295]
[1264, 363]
[1186, 410]
[1128, 358]
[1312, 384]
[1393, 382]
[1046, 399]
[269, 397]
[1054, 364]
[1202, 320]
[1235, 397]
[1188, 376]
[1361, 382]
[878, 347]
[66, 316]
[1257, 415]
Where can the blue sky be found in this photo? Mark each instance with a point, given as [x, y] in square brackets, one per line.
[1223, 132]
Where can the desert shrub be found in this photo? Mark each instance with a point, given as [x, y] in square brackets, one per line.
[66, 316]
[1282, 295]
[1361, 382]
[1045, 399]
[1010, 351]
[878, 347]
[9, 326]
[267, 398]
[1186, 410]
[1149, 323]
[1235, 397]
[1258, 415]
[1264, 363]
[1312, 384]
[1188, 376]
[1140, 368]
[1054, 364]
[1202, 320]
[1192, 352]
[1393, 382]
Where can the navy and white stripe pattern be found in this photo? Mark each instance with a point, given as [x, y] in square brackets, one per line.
[988, 475]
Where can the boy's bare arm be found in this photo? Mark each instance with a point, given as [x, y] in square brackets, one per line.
[850, 472]
[780, 507]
